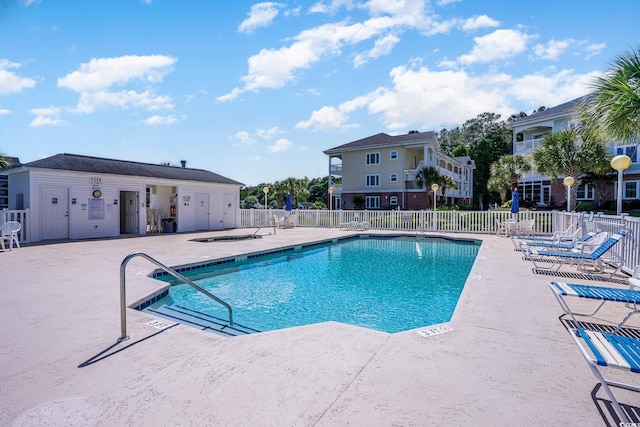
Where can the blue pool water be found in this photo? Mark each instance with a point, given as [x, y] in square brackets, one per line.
[387, 284]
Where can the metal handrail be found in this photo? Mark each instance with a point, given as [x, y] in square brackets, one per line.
[123, 297]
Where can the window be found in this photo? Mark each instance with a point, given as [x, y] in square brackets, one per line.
[584, 192]
[393, 155]
[373, 158]
[630, 189]
[372, 202]
[373, 180]
[629, 150]
[393, 200]
[393, 177]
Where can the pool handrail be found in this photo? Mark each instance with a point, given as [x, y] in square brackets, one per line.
[123, 296]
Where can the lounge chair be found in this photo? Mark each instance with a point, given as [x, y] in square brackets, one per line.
[562, 291]
[9, 233]
[611, 351]
[523, 245]
[588, 254]
[568, 235]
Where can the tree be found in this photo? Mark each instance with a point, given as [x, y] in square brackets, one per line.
[505, 174]
[426, 177]
[563, 153]
[445, 182]
[459, 151]
[5, 162]
[500, 184]
[613, 111]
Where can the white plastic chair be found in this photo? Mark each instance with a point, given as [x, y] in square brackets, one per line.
[9, 232]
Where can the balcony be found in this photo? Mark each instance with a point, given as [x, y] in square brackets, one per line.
[526, 146]
[335, 169]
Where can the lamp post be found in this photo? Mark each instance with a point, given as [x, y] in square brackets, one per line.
[265, 190]
[620, 163]
[434, 187]
[568, 181]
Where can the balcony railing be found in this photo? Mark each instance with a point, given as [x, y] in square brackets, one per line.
[527, 146]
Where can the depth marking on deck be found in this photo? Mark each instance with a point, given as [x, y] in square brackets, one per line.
[436, 330]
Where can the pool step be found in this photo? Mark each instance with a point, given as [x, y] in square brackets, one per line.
[200, 320]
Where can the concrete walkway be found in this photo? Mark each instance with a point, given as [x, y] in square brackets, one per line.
[508, 361]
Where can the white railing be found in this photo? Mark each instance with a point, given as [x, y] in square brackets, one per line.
[22, 217]
[527, 145]
[484, 222]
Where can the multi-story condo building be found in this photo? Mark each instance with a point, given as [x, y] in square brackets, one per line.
[528, 134]
[4, 184]
[382, 169]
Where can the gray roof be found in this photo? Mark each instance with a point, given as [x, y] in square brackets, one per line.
[381, 140]
[558, 111]
[78, 163]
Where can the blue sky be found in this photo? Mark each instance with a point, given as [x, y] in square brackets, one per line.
[256, 91]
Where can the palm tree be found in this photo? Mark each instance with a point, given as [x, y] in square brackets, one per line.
[614, 108]
[499, 183]
[426, 177]
[563, 153]
[445, 182]
[5, 162]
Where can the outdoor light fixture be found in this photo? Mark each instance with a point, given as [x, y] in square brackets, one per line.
[265, 190]
[434, 187]
[620, 163]
[568, 182]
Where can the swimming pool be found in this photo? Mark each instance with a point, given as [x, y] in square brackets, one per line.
[390, 284]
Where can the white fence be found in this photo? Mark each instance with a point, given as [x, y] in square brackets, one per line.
[448, 221]
[22, 217]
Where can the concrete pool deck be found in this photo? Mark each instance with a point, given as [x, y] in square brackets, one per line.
[508, 360]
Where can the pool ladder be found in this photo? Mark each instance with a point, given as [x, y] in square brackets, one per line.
[123, 297]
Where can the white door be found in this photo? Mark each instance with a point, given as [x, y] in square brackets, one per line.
[55, 213]
[129, 213]
[201, 211]
[229, 211]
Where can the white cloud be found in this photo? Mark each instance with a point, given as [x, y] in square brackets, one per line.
[47, 117]
[91, 101]
[501, 44]
[244, 137]
[382, 46]
[594, 49]
[331, 7]
[254, 159]
[477, 22]
[260, 15]
[102, 73]
[4, 111]
[281, 145]
[553, 49]
[10, 82]
[95, 79]
[420, 97]
[161, 120]
[324, 119]
[269, 133]
[274, 68]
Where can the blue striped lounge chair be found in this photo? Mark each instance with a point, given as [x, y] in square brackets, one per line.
[588, 255]
[564, 291]
[523, 245]
[603, 350]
